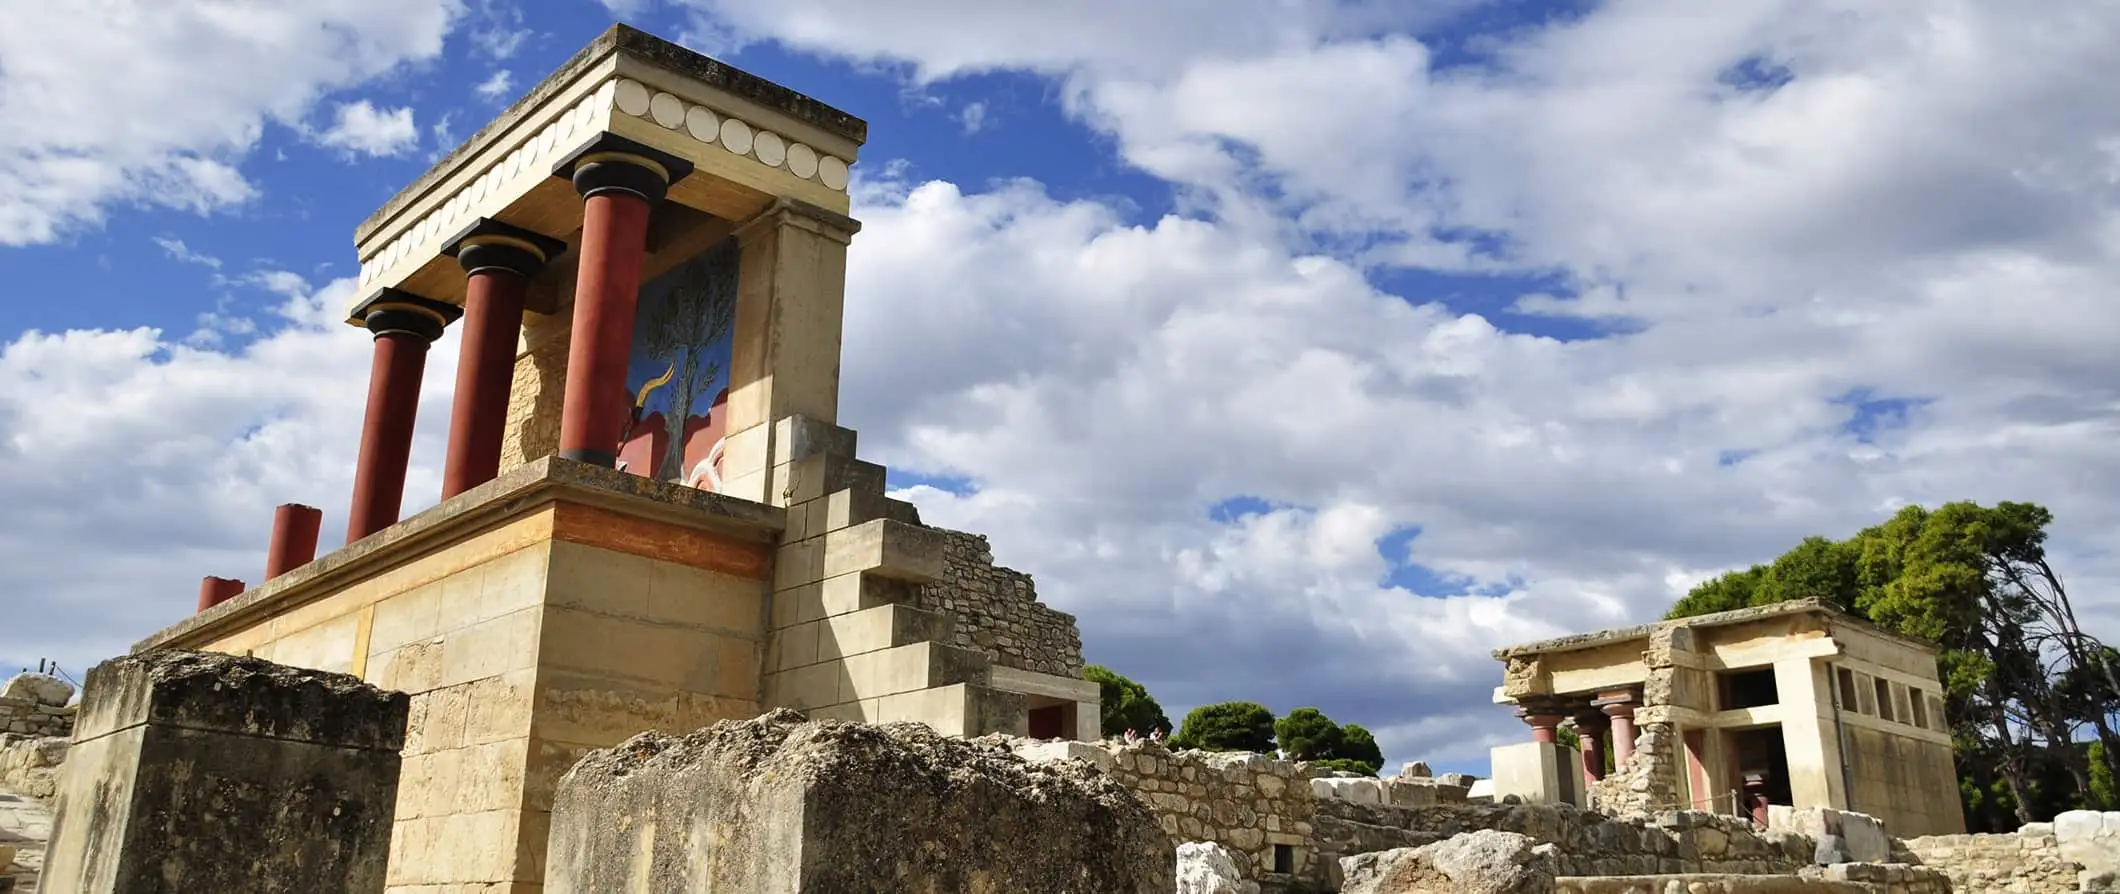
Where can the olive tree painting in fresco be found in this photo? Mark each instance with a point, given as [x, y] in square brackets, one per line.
[678, 373]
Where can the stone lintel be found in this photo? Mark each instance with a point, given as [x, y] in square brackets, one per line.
[1074, 689]
[518, 492]
[1827, 614]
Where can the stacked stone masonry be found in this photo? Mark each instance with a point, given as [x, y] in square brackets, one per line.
[1848, 878]
[2041, 858]
[29, 765]
[1249, 804]
[996, 610]
[33, 704]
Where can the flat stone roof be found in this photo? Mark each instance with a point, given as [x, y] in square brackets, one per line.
[1580, 641]
[628, 41]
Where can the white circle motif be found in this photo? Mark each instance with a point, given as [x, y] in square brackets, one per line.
[832, 172]
[802, 160]
[668, 111]
[631, 97]
[702, 124]
[735, 136]
[769, 148]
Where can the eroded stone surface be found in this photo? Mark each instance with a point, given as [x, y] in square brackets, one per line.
[1482, 862]
[197, 771]
[1205, 867]
[44, 689]
[781, 805]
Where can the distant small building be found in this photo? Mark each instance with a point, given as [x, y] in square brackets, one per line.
[1791, 704]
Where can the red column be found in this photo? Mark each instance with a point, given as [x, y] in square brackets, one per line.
[1591, 731]
[619, 181]
[606, 292]
[404, 325]
[216, 590]
[294, 538]
[1620, 707]
[499, 261]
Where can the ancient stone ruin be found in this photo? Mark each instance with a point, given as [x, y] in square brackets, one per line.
[664, 629]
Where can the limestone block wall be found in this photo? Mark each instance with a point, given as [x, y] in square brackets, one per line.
[30, 765]
[1248, 803]
[996, 610]
[29, 717]
[1591, 844]
[2041, 858]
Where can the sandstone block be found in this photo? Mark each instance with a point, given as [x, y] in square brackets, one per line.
[780, 805]
[1482, 862]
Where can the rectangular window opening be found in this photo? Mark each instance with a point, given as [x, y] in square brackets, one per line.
[1747, 688]
[1884, 698]
[1848, 701]
[1919, 702]
[1284, 859]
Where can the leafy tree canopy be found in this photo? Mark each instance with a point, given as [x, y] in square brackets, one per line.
[1227, 726]
[1126, 704]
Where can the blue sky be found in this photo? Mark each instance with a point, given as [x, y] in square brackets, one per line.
[1306, 351]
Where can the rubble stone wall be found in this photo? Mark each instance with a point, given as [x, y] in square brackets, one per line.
[29, 765]
[1591, 844]
[2041, 858]
[1845, 878]
[29, 717]
[997, 611]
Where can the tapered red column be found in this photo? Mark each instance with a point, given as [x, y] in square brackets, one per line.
[404, 326]
[216, 590]
[499, 261]
[619, 181]
[1591, 731]
[294, 538]
[1619, 705]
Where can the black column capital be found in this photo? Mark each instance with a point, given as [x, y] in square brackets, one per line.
[612, 163]
[398, 312]
[490, 246]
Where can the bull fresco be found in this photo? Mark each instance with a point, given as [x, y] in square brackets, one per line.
[678, 374]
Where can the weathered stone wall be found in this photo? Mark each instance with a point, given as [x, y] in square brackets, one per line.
[2090, 838]
[1649, 781]
[29, 718]
[29, 765]
[1846, 878]
[2027, 861]
[997, 611]
[1591, 844]
[33, 704]
[1247, 803]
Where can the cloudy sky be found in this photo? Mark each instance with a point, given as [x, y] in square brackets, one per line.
[1305, 349]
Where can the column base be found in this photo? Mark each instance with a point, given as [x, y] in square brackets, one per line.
[603, 458]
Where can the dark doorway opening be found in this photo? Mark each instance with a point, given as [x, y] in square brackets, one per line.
[1760, 750]
[1049, 722]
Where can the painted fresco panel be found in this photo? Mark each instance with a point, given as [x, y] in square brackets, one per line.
[678, 372]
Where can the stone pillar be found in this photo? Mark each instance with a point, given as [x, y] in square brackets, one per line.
[620, 181]
[196, 771]
[1619, 705]
[294, 538]
[1591, 730]
[404, 325]
[499, 261]
[216, 590]
[784, 361]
